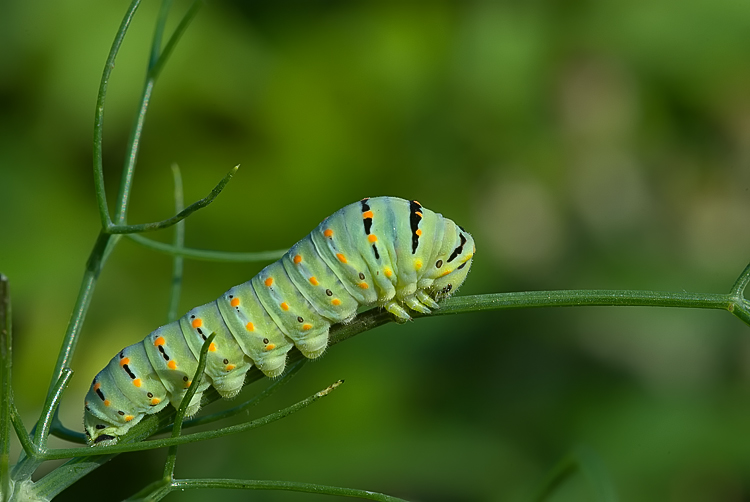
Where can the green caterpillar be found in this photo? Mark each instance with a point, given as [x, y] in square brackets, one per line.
[379, 251]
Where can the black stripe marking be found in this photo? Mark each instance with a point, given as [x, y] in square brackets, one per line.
[375, 249]
[459, 249]
[462, 265]
[127, 370]
[100, 394]
[367, 221]
[163, 353]
[414, 220]
[365, 205]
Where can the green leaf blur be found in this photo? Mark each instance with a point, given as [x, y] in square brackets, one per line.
[583, 144]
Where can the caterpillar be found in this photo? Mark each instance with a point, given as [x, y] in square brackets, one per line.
[381, 251]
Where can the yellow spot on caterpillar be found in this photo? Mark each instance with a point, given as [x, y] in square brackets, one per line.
[235, 302]
[197, 323]
[172, 365]
[297, 259]
[314, 281]
[97, 386]
[363, 285]
[446, 272]
[372, 238]
[306, 327]
[269, 281]
[155, 401]
[212, 347]
[159, 341]
[124, 361]
[128, 418]
[418, 213]
[284, 306]
[336, 301]
[328, 233]
[367, 214]
[137, 382]
[388, 272]
[417, 264]
[249, 326]
[230, 367]
[418, 232]
[188, 384]
[417, 203]
[341, 257]
[270, 346]
[106, 402]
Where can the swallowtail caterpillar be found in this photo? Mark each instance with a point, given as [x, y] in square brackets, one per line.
[380, 251]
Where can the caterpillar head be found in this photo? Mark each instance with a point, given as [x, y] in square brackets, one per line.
[453, 265]
[98, 431]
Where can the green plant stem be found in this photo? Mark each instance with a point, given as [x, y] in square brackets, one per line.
[153, 493]
[289, 373]
[199, 204]
[208, 255]
[180, 415]
[191, 438]
[178, 241]
[6, 361]
[101, 196]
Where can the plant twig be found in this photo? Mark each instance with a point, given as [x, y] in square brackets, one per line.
[6, 361]
[208, 255]
[178, 241]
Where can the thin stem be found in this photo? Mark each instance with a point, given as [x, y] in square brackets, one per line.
[585, 461]
[741, 283]
[6, 360]
[178, 241]
[23, 436]
[161, 23]
[148, 227]
[285, 378]
[207, 255]
[177, 429]
[53, 401]
[101, 196]
[190, 438]
[246, 484]
[158, 65]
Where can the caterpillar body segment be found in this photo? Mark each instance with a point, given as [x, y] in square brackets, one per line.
[381, 251]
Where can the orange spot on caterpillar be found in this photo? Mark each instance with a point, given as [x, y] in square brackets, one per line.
[124, 361]
[106, 402]
[367, 214]
[137, 382]
[197, 323]
[328, 232]
[284, 306]
[270, 346]
[445, 273]
[388, 272]
[249, 326]
[128, 418]
[417, 203]
[418, 213]
[363, 285]
[297, 259]
[269, 281]
[97, 386]
[314, 281]
[229, 367]
[235, 302]
[155, 401]
[417, 264]
[341, 257]
[418, 232]
[159, 341]
[212, 347]
[172, 365]
[306, 327]
[372, 238]
[188, 384]
[336, 301]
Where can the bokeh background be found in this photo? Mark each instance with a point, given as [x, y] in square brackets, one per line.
[585, 144]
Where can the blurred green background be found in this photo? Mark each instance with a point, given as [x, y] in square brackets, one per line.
[584, 144]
